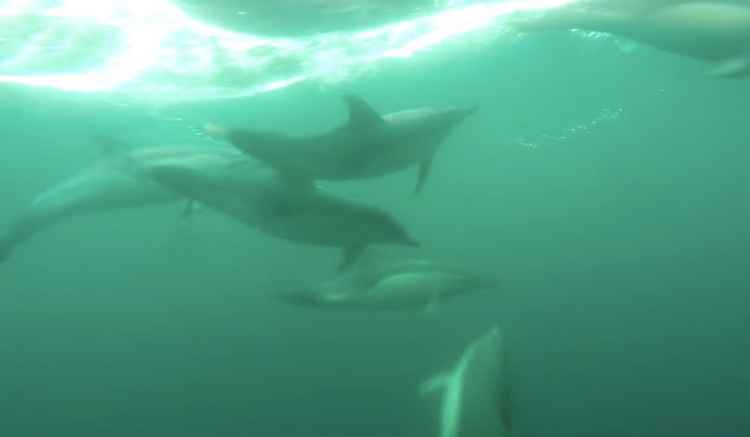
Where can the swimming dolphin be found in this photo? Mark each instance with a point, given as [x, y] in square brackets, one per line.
[291, 209]
[714, 32]
[368, 145]
[409, 283]
[108, 185]
[477, 396]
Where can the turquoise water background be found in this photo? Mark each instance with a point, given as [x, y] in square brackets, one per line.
[607, 188]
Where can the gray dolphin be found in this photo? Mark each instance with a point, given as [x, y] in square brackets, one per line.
[368, 145]
[107, 185]
[477, 398]
[710, 31]
[291, 209]
[389, 284]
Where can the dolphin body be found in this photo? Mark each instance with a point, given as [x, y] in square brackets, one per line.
[476, 394]
[137, 179]
[292, 209]
[368, 145]
[106, 185]
[709, 31]
[389, 284]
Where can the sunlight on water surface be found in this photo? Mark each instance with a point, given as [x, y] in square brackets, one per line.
[152, 51]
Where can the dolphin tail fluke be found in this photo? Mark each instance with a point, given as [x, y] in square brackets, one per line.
[422, 175]
[350, 255]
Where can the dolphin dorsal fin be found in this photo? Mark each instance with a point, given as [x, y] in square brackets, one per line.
[349, 256]
[361, 114]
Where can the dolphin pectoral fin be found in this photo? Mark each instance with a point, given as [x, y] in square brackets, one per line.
[424, 172]
[349, 256]
[361, 115]
[191, 207]
[434, 384]
[734, 67]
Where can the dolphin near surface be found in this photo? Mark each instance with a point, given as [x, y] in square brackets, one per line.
[391, 283]
[368, 145]
[292, 209]
[476, 394]
[716, 32]
[108, 185]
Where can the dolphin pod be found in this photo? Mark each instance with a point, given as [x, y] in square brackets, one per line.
[368, 145]
[220, 178]
[711, 31]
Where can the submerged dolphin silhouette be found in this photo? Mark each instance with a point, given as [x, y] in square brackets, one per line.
[107, 185]
[710, 31]
[476, 396]
[291, 209]
[367, 145]
[389, 283]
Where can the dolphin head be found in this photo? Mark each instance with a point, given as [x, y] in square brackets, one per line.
[267, 146]
[434, 120]
[450, 115]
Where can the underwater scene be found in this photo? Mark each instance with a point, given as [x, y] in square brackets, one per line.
[422, 218]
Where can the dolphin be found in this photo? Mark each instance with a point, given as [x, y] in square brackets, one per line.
[477, 398]
[393, 284]
[709, 31]
[292, 209]
[109, 184]
[368, 145]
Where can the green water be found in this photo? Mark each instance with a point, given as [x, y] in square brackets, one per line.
[608, 190]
